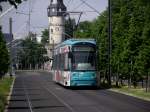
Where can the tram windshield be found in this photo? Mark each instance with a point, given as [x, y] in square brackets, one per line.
[84, 60]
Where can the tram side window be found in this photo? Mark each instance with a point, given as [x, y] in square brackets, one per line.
[54, 63]
[66, 62]
[58, 62]
[62, 61]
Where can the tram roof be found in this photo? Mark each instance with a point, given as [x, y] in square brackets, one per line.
[75, 41]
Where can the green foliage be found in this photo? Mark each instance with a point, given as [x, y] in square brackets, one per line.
[69, 28]
[130, 39]
[12, 2]
[45, 37]
[32, 54]
[84, 30]
[4, 57]
[4, 90]
[138, 92]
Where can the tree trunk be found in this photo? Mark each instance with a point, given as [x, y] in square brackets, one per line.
[117, 79]
[142, 83]
[130, 81]
[121, 82]
[147, 82]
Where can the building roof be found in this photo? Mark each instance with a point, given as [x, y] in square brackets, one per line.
[56, 8]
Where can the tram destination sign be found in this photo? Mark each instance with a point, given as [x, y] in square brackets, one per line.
[83, 48]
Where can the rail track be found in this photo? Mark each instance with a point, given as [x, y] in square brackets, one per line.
[27, 92]
[36, 92]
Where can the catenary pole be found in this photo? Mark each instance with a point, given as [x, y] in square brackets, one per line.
[109, 41]
[11, 54]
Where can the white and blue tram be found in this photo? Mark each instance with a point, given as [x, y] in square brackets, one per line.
[74, 63]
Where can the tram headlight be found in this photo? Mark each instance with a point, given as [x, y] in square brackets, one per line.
[94, 75]
[74, 74]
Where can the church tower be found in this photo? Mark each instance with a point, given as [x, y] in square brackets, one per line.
[56, 13]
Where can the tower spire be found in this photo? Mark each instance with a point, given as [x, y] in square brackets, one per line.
[56, 8]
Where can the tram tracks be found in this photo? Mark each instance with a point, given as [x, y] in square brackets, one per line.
[27, 96]
[63, 102]
[37, 93]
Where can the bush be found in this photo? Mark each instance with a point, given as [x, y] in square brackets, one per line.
[4, 90]
[4, 55]
[2, 102]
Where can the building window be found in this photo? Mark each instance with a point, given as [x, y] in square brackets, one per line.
[51, 30]
[51, 19]
[57, 28]
[53, 10]
[60, 10]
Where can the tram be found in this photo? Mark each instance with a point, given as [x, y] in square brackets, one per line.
[74, 63]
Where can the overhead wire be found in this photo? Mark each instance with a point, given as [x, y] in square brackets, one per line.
[78, 6]
[69, 3]
[19, 13]
[32, 5]
[83, 1]
[32, 11]
[87, 4]
[21, 27]
[85, 11]
[8, 10]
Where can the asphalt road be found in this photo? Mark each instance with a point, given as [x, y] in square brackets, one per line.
[36, 92]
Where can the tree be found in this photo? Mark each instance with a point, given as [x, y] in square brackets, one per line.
[69, 28]
[32, 54]
[130, 39]
[45, 37]
[4, 57]
[84, 30]
[12, 2]
[99, 32]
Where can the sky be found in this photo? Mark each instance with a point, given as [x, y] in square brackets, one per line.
[39, 19]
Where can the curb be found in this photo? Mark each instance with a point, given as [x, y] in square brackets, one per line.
[129, 94]
[9, 95]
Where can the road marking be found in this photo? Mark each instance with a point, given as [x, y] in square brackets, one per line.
[9, 96]
[27, 95]
[58, 88]
[67, 105]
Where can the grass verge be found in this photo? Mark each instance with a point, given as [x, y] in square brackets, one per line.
[136, 92]
[5, 85]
